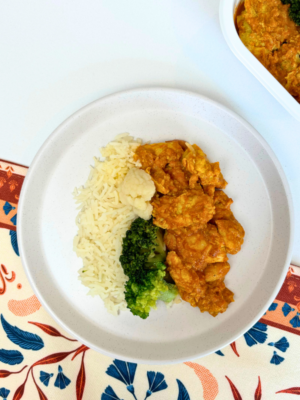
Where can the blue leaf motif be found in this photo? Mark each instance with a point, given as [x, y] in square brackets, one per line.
[45, 377]
[273, 306]
[11, 357]
[219, 353]
[4, 393]
[286, 309]
[7, 208]
[14, 219]
[123, 371]
[25, 340]
[109, 394]
[282, 344]
[295, 322]
[14, 242]
[256, 334]
[183, 393]
[276, 359]
[61, 380]
[156, 382]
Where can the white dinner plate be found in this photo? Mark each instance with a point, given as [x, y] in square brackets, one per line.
[262, 204]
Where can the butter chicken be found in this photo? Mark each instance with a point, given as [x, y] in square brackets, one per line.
[200, 229]
[267, 30]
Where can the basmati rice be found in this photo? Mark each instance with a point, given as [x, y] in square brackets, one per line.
[103, 221]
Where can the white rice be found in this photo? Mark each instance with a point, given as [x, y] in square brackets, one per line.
[103, 221]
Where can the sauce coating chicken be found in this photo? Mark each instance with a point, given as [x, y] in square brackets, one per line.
[205, 290]
[267, 30]
[197, 245]
[190, 207]
[200, 227]
[229, 228]
[194, 160]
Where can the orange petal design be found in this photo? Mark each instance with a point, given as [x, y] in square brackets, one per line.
[22, 308]
[291, 286]
[208, 381]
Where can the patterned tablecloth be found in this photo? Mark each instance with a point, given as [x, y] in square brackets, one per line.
[38, 360]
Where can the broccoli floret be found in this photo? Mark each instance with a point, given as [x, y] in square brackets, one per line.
[294, 10]
[169, 295]
[141, 296]
[143, 246]
[143, 259]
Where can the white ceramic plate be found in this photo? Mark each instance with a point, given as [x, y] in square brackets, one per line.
[46, 224]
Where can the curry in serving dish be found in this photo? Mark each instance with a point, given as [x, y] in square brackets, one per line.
[267, 30]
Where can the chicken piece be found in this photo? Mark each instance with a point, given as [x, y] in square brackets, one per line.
[265, 25]
[222, 203]
[216, 271]
[228, 227]
[209, 190]
[182, 143]
[197, 246]
[216, 300]
[213, 296]
[180, 178]
[194, 181]
[232, 233]
[222, 200]
[190, 283]
[163, 181]
[194, 160]
[190, 207]
[266, 29]
[158, 154]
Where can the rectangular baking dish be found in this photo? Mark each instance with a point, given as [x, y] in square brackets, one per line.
[227, 11]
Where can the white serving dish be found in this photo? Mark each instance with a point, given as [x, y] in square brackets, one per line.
[227, 10]
[262, 203]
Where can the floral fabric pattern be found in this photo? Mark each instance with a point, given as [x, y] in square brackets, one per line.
[38, 360]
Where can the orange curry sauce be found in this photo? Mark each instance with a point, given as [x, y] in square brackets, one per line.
[200, 228]
[266, 29]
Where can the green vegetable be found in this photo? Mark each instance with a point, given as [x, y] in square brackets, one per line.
[170, 294]
[294, 10]
[143, 259]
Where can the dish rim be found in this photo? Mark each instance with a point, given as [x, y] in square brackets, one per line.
[31, 173]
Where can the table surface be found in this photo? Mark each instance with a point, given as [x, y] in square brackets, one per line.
[58, 56]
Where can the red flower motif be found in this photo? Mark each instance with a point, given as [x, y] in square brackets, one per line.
[291, 286]
[2, 181]
[12, 185]
[81, 349]
[233, 346]
[290, 271]
[50, 330]
[52, 359]
[9, 170]
[236, 393]
[4, 373]
[80, 381]
[293, 390]
[40, 392]
[257, 395]
[4, 271]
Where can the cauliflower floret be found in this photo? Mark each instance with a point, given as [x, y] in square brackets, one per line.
[136, 190]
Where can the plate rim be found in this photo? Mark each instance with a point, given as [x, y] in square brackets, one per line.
[136, 91]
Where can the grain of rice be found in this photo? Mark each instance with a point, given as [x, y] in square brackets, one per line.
[103, 221]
